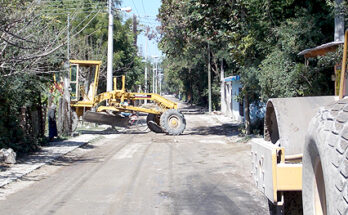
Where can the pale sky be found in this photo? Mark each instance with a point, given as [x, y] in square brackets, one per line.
[146, 12]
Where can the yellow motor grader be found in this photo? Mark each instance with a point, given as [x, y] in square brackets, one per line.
[109, 107]
[303, 158]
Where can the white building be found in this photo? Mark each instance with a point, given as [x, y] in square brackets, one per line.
[230, 106]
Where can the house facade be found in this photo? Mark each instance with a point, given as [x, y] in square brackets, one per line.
[230, 106]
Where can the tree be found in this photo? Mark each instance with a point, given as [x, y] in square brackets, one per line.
[33, 46]
[259, 40]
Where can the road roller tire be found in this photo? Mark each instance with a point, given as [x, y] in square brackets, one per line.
[173, 122]
[325, 162]
[152, 121]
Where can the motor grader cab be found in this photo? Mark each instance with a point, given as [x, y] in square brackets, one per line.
[303, 158]
[106, 107]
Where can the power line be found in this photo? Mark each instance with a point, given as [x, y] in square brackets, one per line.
[49, 13]
[73, 6]
[81, 22]
[90, 10]
[68, 2]
[135, 7]
[142, 3]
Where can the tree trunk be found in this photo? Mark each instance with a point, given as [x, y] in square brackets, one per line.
[66, 109]
[209, 80]
[222, 89]
[42, 117]
[246, 115]
[66, 119]
[35, 126]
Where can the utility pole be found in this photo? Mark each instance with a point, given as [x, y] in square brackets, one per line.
[111, 44]
[156, 78]
[153, 78]
[135, 30]
[154, 74]
[209, 79]
[68, 37]
[160, 81]
[110, 48]
[145, 69]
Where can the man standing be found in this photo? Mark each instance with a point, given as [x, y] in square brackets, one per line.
[52, 126]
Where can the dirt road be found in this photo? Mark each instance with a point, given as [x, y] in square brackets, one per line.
[201, 172]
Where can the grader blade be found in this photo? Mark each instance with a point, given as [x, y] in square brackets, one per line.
[106, 119]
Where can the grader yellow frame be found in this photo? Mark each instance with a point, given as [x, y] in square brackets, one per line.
[119, 100]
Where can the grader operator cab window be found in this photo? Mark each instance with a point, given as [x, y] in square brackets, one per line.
[74, 68]
[83, 80]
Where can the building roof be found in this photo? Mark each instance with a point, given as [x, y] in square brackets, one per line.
[321, 50]
[232, 78]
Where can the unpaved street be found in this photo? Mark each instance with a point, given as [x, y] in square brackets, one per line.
[203, 171]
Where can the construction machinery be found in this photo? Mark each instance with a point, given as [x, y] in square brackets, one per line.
[304, 152]
[111, 108]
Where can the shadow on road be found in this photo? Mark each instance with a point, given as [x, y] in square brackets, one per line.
[193, 110]
[66, 161]
[103, 132]
[207, 198]
[224, 129]
[114, 131]
[4, 167]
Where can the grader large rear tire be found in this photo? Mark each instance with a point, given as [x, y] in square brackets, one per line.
[173, 122]
[153, 123]
[325, 162]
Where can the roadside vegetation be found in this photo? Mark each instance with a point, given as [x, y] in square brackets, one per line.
[256, 39]
[34, 39]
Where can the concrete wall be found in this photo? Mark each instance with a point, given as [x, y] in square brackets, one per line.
[236, 113]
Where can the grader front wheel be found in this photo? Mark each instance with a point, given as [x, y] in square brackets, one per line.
[173, 122]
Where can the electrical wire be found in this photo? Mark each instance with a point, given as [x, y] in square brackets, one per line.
[135, 7]
[81, 22]
[67, 13]
[142, 3]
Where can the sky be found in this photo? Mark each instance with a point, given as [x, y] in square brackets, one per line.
[146, 12]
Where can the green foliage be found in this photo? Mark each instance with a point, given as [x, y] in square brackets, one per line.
[33, 46]
[259, 40]
[18, 92]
